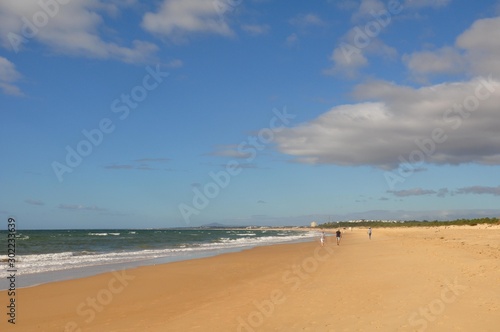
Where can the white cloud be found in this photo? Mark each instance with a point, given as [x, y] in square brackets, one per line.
[8, 76]
[362, 40]
[372, 17]
[71, 28]
[350, 56]
[378, 47]
[444, 60]
[305, 20]
[255, 29]
[292, 40]
[365, 8]
[476, 52]
[176, 63]
[347, 60]
[303, 23]
[451, 123]
[8, 71]
[482, 46]
[177, 18]
[345, 4]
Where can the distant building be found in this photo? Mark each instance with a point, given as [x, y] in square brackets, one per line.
[314, 224]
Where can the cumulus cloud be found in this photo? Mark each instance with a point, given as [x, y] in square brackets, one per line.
[451, 123]
[365, 8]
[347, 60]
[8, 77]
[363, 41]
[353, 51]
[476, 52]
[445, 60]
[482, 46]
[176, 19]
[72, 28]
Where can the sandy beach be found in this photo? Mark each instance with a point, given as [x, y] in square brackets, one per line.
[416, 279]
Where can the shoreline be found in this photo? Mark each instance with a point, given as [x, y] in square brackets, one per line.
[412, 279]
[35, 279]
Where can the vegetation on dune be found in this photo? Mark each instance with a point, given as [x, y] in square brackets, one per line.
[410, 223]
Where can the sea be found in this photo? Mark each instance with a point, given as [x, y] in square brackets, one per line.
[52, 255]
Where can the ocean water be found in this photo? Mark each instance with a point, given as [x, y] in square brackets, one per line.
[43, 255]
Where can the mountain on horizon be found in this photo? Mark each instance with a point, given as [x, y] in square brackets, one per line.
[217, 225]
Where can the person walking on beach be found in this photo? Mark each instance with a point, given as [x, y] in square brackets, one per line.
[339, 236]
[322, 239]
[370, 233]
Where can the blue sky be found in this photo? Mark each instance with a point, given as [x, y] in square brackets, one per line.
[118, 114]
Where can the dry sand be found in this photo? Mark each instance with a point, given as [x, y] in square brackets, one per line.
[418, 279]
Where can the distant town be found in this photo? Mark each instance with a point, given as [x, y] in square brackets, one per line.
[409, 223]
[368, 223]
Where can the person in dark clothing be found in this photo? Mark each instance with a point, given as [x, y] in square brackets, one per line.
[339, 236]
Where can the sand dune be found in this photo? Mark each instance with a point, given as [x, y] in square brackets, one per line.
[418, 279]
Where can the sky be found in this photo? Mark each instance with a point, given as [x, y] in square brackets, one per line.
[176, 113]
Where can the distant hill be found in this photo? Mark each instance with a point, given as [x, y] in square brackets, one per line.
[217, 225]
